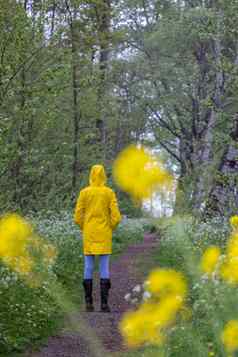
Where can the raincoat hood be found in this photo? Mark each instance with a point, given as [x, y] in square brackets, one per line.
[97, 214]
[97, 176]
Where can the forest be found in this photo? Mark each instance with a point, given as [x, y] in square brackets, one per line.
[82, 81]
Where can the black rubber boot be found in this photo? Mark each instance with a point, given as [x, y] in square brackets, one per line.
[88, 289]
[105, 285]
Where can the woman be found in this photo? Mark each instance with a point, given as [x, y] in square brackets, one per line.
[97, 214]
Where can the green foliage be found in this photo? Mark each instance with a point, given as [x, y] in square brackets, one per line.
[128, 207]
[130, 231]
[27, 314]
[41, 50]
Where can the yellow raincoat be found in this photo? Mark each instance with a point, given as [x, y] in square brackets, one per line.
[97, 214]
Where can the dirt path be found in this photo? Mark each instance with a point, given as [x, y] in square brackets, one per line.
[125, 274]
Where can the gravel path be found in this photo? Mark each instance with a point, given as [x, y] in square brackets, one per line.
[125, 274]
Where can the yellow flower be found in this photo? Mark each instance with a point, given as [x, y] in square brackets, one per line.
[140, 326]
[15, 234]
[132, 328]
[232, 246]
[166, 311]
[229, 270]
[24, 265]
[234, 222]
[154, 336]
[49, 253]
[230, 336]
[21, 249]
[149, 323]
[210, 259]
[139, 173]
[167, 282]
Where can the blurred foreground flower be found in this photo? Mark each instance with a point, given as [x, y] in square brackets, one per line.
[210, 260]
[234, 222]
[139, 173]
[138, 328]
[228, 266]
[230, 336]
[149, 323]
[232, 246]
[166, 282]
[22, 249]
[229, 269]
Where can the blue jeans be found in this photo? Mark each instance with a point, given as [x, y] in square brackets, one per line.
[89, 262]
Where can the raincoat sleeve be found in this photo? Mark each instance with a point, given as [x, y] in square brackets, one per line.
[80, 210]
[114, 211]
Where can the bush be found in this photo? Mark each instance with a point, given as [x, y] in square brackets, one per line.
[26, 314]
[129, 231]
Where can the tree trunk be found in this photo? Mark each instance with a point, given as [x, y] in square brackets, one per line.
[76, 109]
[103, 12]
[223, 197]
[202, 159]
[203, 156]
[18, 161]
[184, 187]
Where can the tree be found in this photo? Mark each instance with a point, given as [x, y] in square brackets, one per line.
[184, 58]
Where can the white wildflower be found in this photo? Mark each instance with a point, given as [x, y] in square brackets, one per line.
[134, 301]
[137, 289]
[127, 297]
[146, 295]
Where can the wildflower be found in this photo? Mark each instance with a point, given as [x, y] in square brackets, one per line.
[232, 246]
[165, 312]
[137, 289]
[21, 249]
[137, 327]
[154, 336]
[229, 271]
[49, 253]
[131, 328]
[149, 322]
[154, 316]
[127, 297]
[234, 222]
[210, 259]
[134, 301]
[139, 173]
[230, 336]
[15, 234]
[24, 265]
[146, 295]
[165, 282]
